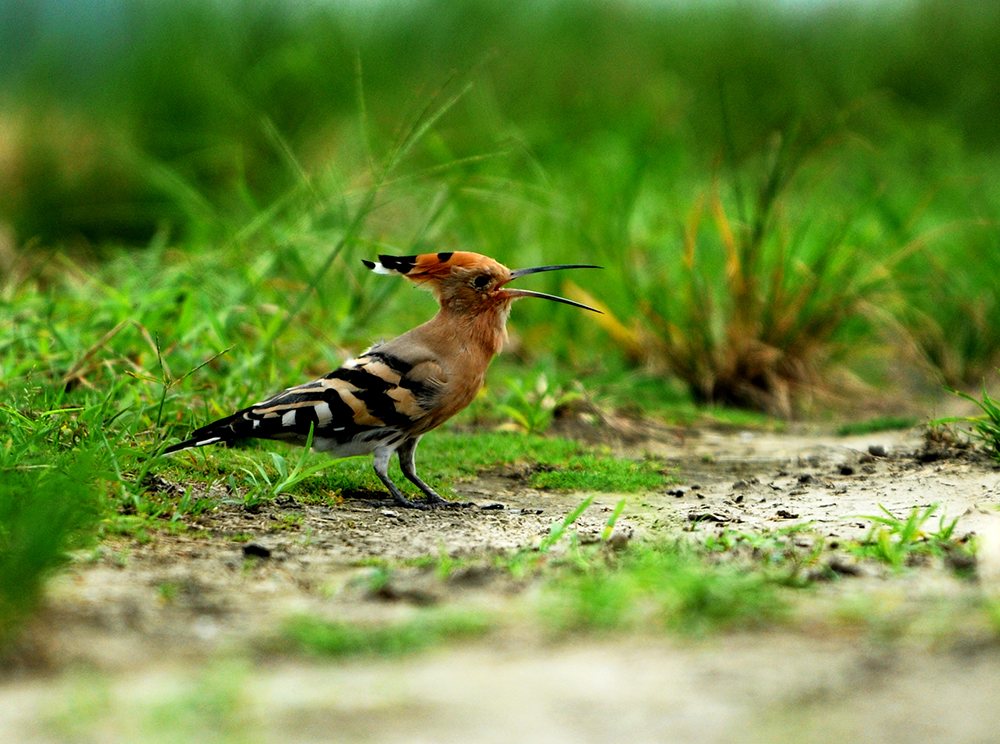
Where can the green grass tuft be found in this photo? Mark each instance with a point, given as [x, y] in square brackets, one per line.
[901, 542]
[335, 639]
[753, 311]
[601, 473]
[462, 454]
[670, 586]
[986, 428]
[877, 424]
[789, 556]
[50, 502]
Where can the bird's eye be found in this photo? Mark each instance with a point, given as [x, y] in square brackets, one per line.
[481, 281]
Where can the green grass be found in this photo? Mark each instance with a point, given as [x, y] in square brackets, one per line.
[659, 587]
[901, 542]
[460, 454]
[877, 424]
[730, 580]
[595, 473]
[52, 466]
[212, 702]
[662, 587]
[446, 459]
[788, 557]
[951, 322]
[325, 638]
[532, 407]
[286, 477]
[755, 308]
[985, 427]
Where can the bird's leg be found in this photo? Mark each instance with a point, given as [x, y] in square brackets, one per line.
[407, 463]
[381, 464]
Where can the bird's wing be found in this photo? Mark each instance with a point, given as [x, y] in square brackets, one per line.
[366, 400]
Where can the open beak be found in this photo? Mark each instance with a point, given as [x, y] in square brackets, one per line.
[555, 298]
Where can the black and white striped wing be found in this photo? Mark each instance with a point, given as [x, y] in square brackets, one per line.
[373, 400]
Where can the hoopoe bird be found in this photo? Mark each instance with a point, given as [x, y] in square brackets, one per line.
[386, 399]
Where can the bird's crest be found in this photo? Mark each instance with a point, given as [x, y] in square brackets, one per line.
[475, 281]
[427, 265]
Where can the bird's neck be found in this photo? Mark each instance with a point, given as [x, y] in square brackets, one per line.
[483, 333]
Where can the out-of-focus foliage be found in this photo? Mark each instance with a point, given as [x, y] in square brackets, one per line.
[255, 141]
[120, 118]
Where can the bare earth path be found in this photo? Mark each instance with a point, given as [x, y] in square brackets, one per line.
[163, 641]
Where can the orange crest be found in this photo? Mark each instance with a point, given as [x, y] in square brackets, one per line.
[429, 265]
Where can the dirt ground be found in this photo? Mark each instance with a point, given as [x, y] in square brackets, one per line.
[132, 632]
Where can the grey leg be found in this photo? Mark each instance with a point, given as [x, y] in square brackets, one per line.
[381, 465]
[407, 463]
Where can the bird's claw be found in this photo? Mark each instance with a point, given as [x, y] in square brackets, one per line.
[430, 503]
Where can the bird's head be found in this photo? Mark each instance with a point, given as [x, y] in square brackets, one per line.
[469, 283]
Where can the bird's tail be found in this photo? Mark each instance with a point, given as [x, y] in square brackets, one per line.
[221, 431]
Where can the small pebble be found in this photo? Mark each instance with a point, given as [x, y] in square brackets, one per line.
[619, 540]
[256, 550]
[843, 566]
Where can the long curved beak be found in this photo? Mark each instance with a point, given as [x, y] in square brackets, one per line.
[555, 298]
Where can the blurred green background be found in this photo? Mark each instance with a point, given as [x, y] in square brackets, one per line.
[782, 191]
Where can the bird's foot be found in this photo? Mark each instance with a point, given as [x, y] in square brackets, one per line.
[434, 501]
[406, 503]
[445, 504]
